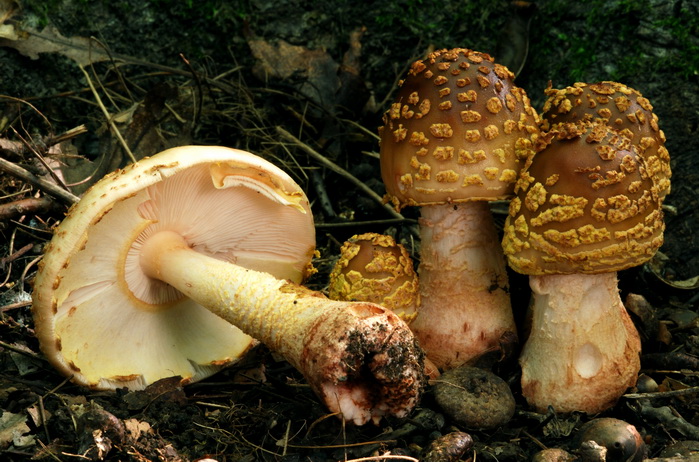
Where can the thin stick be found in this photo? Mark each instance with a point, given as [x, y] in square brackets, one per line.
[14, 306]
[663, 394]
[41, 159]
[106, 113]
[357, 224]
[337, 169]
[29, 354]
[670, 419]
[15, 255]
[362, 128]
[198, 96]
[323, 198]
[48, 187]
[128, 60]
[68, 134]
[385, 457]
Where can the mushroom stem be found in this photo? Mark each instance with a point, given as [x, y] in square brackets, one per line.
[583, 349]
[360, 358]
[465, 306]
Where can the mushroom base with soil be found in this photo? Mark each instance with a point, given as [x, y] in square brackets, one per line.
[359, 358]
[465, 306]
[583, 349]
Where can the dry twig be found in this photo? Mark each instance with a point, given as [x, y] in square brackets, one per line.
[108, 116]
[48, 187]
[670, 419]
[337, 169]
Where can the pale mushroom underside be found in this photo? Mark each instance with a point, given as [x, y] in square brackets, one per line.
[115, 327]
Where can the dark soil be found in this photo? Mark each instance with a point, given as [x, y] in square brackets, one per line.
[279, 79]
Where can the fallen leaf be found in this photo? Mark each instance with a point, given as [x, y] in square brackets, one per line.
[13, 428]
[315, 70]
[32, 43]
[7, 9]
[24, 364]
[38, 415]
[135, 428]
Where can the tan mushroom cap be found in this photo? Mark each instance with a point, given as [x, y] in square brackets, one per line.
[374, 268]
[100, 320]
[624, 109]
[459, 130]
[585, 204]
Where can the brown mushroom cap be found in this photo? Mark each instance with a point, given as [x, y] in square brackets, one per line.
[374, 268]
[621, 107]
[458, 131]
[585, 204]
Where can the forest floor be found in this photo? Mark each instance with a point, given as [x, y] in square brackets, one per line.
[304, 88]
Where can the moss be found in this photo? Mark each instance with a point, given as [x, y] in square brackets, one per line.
[42, 12]
[437, 21]
[642, 39]
[684, 31]
[216, 11]
[581, 32]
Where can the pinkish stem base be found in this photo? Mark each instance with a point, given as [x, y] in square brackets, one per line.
[583, 349]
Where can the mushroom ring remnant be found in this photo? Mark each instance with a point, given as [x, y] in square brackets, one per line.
[171, 266]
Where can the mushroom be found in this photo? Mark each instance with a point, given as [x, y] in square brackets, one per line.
[586, 207]
[454, 139]
[374, 268]
[553, 455]
[621, 107]
[140, 276]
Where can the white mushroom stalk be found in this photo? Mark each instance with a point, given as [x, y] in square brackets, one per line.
[582, 351]
[173, 265]
[463, 267]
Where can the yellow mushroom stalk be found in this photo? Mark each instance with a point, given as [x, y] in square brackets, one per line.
[172, 266]
[359, 358]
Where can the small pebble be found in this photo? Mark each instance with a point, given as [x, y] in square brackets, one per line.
[553, 455]
[646, 384]
[474, 398]
[620, 439]
[448, 448]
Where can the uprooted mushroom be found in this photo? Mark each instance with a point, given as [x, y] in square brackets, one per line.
[140, 276]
